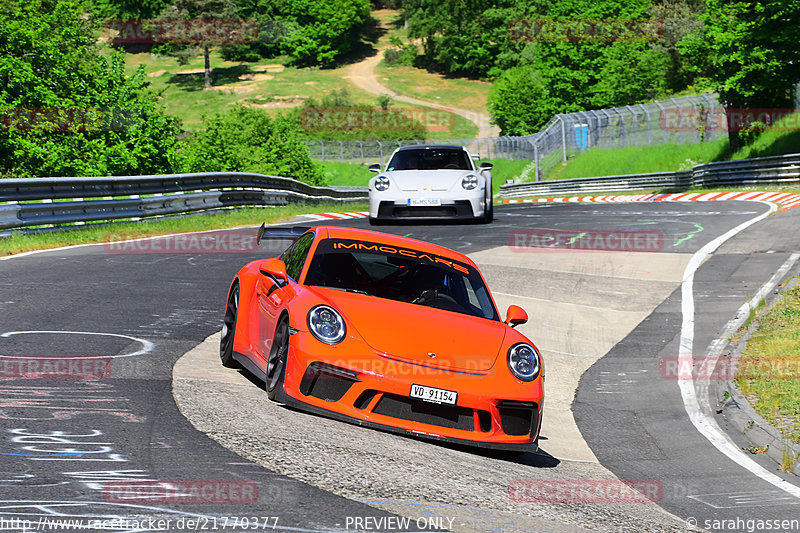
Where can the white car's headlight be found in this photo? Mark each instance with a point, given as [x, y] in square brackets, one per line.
[469, 182]
[524, 362]
[326, 324]
[381, 183]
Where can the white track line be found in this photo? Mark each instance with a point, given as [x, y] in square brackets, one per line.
[715, 348]
[704, 423]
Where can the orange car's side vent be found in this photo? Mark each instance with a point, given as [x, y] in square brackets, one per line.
[364, 398]
[327, 382]
[519, 418]
[485, 420]
[449, 416]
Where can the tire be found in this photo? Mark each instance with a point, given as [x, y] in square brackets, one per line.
[276, 363]
[375, 221]
[229, 329]
[488, 211]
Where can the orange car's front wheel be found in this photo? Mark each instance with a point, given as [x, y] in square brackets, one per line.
[276, 364]
[229, 329]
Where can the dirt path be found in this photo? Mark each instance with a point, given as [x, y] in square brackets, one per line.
[362, 74]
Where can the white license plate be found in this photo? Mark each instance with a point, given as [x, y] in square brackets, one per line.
[424, 202]
[429, 394]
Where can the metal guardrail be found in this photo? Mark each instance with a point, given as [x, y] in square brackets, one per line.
[26, 202]
[777, 170]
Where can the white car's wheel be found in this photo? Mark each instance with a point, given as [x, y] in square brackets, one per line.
[488, 210]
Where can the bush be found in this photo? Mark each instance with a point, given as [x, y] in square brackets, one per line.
[338, 118]
[402, 54]
[247, 140]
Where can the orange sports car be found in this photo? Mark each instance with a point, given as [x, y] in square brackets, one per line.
[385, 332]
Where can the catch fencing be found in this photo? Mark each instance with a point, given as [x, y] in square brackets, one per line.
[685, 120]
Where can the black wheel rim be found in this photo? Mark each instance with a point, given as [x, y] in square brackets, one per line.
[229, 323]
[277, 355]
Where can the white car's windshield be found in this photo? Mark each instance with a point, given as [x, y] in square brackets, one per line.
[430, 159]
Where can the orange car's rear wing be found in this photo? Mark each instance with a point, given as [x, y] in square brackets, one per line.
[291, 233]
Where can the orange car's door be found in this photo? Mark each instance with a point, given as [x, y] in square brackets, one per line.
[274, 295]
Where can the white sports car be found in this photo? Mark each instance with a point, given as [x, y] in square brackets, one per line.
[431, 182]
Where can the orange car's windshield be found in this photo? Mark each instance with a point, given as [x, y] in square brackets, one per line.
[400, 274]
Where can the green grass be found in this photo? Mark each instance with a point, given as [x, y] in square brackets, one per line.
[273, 86]
[777, 141]
[638, 160]
[508, 169]
[18, 242]
[431, 87]
[769, 370]
[345, 174]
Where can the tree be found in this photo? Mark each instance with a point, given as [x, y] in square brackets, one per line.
[311, 32]
[323, 30]
[752, 46]
[520, 102]
[129, 9]
[200, 17]
[462, 37]
[630, 73]
[67, 110]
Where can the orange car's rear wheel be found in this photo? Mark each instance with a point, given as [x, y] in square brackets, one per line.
[229, 329]
[276, 364]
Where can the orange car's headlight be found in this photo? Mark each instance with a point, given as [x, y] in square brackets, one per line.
[524, 361]
[326, 324]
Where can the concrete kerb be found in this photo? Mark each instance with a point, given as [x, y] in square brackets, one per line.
[783, 200]
[736, 409]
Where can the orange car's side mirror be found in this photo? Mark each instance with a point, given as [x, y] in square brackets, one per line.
[516, 316]
[275, 269]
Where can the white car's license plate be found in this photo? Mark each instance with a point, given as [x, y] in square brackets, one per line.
[429, 394]
[424, 202]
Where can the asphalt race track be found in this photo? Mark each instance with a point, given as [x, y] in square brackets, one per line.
[90, 449]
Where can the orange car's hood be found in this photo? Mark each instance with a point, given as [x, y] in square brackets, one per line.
[411, 332]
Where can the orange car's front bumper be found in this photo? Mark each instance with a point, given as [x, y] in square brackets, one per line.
[351, 382]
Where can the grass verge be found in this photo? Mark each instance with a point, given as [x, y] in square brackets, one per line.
[638, 160]
[18, 242]
[345, 174]
[769, 371]
[782, 138]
